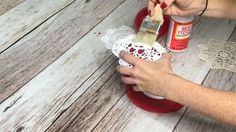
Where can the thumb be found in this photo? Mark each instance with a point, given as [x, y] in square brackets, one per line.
[151, 6]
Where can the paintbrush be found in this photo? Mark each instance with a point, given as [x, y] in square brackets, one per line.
[149, 28]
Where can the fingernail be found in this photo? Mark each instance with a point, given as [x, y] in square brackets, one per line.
[163, 5]
[158, 2]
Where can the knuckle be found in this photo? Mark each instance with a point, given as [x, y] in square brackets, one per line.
[141, 89]
[124, 55]
[137, 82]
[134, 73]
[124, 79]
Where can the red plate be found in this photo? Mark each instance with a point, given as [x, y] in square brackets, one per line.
[150, 104]
[140, 99]
[143, 13]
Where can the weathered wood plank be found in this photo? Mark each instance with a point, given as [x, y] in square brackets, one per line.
[6, 5]
[220, 79]
[90, 108]
[29, 56]
[193, 121]
[20, 20]
[125, 116]
[185, 64]
[41, 101]
[83, 118]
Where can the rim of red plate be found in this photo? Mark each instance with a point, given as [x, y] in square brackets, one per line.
[149, 104]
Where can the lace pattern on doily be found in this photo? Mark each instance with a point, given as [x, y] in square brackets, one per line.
[121, 39]
[114, 35]
[219, 54]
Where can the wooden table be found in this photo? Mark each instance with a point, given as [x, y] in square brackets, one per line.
[57, 75]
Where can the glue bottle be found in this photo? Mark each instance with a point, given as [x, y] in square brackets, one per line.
[179, 33]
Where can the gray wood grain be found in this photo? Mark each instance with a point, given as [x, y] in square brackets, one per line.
[193, 121]
[91, 107]
[6, 5]
[40, 102]
[80, 117]
[78, 89]
[196, 122]
[28, 57]
[19, 21]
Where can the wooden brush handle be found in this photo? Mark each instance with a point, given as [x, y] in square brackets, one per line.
[158, 15]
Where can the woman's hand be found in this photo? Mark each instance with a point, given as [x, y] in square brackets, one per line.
[215, 8]
[178, 7]
[149, 76]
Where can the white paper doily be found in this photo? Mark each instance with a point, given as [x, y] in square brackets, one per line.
[121, 39]
[114, 35]
[219, 54]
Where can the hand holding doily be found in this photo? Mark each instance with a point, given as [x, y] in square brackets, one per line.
[121, 39]
[149, 76]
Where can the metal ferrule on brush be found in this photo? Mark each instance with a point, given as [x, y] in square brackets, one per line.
[148, 31]
[148, 25]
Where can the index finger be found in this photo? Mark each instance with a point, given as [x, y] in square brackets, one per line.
[151, 6]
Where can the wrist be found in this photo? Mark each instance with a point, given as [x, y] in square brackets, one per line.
[195, 8]
[167, 87]
[182, 91]
[200, 6]
[204, 9]
[177, 88]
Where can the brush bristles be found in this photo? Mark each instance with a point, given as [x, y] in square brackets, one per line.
[146, 38]
[148, 31]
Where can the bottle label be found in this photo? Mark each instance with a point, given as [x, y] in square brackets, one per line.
[179, 34]
[183, 31]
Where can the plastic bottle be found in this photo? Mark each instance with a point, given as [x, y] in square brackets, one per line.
[179, 33]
